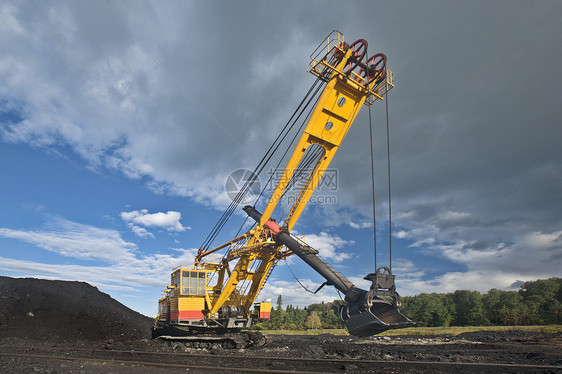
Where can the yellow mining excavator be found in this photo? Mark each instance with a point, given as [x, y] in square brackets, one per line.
[217, 293]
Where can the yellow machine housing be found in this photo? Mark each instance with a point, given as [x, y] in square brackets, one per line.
[184, 302]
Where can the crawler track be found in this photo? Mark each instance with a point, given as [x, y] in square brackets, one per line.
[120, 361]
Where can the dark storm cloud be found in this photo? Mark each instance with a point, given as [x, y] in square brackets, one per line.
[474, 134]
[474, 116]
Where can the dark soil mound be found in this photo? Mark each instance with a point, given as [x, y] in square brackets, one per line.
[41, 309]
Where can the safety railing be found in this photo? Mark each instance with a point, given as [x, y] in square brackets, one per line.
[328, 55]
[324, 56]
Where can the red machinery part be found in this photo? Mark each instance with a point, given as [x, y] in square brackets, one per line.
[359, 48]
[273, 226]
[375, 68]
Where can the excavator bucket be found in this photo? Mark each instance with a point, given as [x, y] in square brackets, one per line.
[373, 314]
[382, 315]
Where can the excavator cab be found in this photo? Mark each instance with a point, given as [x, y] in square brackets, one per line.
[376, 310]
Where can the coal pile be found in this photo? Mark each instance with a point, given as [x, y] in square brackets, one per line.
[55, 311]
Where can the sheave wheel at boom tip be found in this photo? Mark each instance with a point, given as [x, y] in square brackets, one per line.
[359, 48]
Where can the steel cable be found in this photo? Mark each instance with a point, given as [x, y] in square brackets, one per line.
[259, 168]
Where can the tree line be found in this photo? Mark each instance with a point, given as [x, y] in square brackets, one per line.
[314, 316]
[535, 303]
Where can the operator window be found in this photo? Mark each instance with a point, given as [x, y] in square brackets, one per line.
[193, 283]
[185, 282]
[201, 283]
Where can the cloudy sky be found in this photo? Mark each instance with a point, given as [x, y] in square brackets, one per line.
[121, 121]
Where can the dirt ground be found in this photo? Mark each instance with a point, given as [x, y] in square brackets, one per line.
[45, 325]
[511, 352]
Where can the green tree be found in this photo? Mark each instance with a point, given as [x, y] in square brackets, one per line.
[537, 302]
[319, 308]
[491, 302]
[543, 298]
[295, 317]
[504, 307]
[330, 320]
[277, 317]
[430, 309]
[279, 302]
[328, 313]
[512, 310]
[469, 310]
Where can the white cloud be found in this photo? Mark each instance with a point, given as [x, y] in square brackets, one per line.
[169, 221]
[142, 271]
[329, 246]
[126, 268]
[8, 19]
[140, 231]
[76, 240]
[360, 225]
[107, 100]
[406, 267]
[293, 293]
[474, 280]
[423, 242]
[402, 234]
[498, 246]
[450, 218]
[542, 240]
